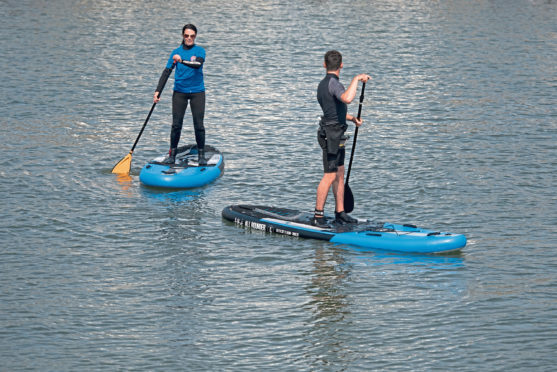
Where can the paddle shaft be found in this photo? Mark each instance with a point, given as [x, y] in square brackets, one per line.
[355, 133]
[165, 79]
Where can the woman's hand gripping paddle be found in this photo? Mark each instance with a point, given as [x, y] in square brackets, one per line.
[348, 196]
[124, 165]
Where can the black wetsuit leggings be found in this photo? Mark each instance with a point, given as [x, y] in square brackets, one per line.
[179, 106]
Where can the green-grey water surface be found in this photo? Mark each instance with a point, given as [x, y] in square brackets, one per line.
[459, 134]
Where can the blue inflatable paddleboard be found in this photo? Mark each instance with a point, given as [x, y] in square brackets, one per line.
[365, 233]
[185, 173]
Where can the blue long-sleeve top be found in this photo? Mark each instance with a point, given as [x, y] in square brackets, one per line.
[188, 78]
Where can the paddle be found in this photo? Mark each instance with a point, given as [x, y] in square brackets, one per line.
[348, 196]
[124, 165]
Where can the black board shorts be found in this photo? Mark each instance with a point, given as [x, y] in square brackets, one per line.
[331, 140]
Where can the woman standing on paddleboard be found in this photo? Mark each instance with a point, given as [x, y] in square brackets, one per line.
[188, 86]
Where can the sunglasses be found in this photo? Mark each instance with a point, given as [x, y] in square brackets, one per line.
[191, 36]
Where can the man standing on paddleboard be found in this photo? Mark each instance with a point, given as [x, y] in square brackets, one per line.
[334, 99]
[188, 86]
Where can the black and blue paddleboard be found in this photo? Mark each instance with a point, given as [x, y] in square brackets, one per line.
[186, 172]
[364, 233]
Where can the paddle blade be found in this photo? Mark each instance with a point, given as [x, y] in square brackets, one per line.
[124, 165]
[348, 199]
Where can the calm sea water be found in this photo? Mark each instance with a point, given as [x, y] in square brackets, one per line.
[460, 133]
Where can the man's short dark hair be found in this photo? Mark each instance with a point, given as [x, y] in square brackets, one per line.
[333, 60]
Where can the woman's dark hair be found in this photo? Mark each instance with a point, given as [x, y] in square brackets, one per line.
[189, 26]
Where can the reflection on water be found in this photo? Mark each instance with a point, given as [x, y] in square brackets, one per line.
[326, 284]
[418, 261]
[175, 196]
[125, 181]
[328, 306]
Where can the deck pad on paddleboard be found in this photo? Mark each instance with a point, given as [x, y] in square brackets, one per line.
[364, 233]
[186, 156]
